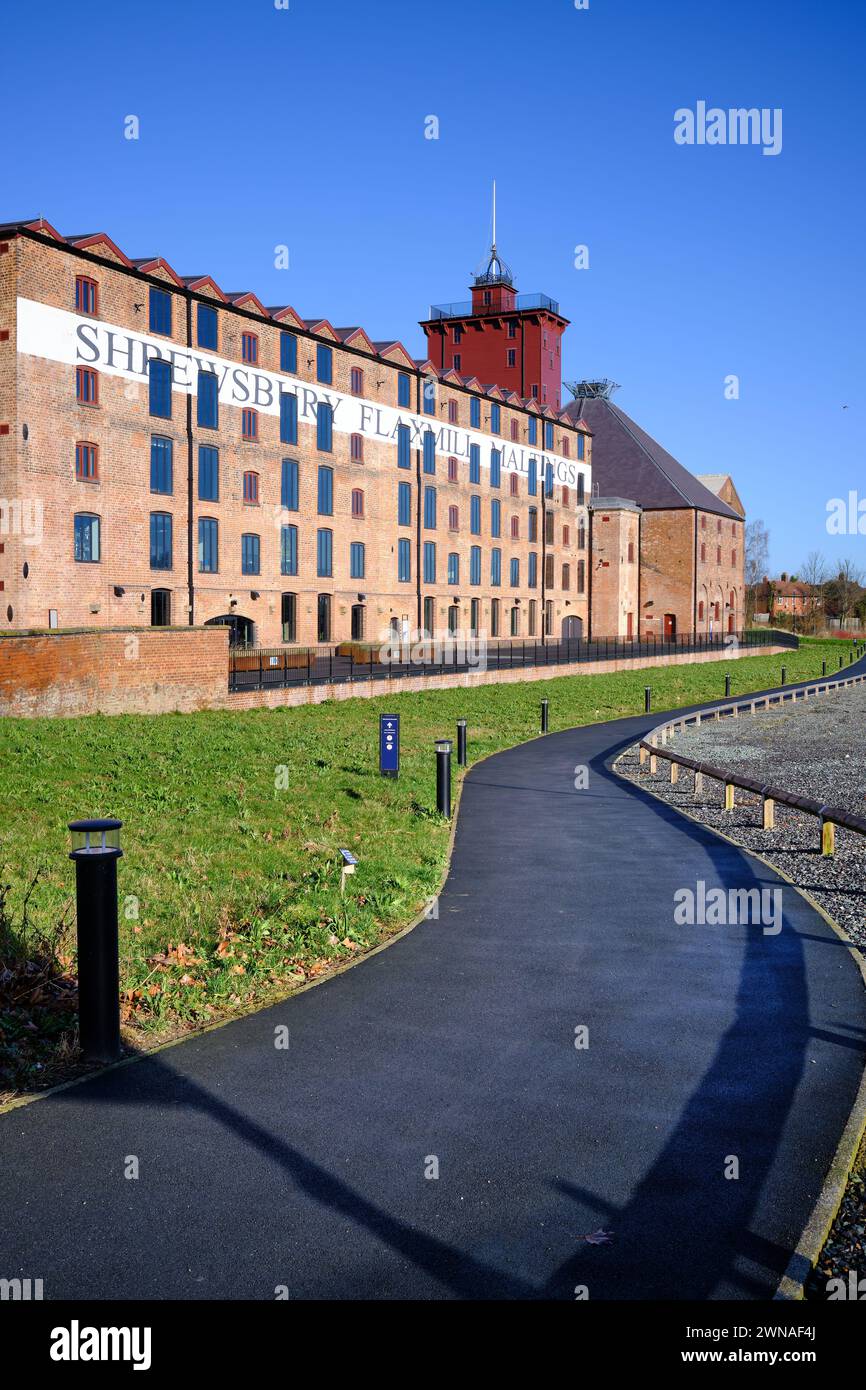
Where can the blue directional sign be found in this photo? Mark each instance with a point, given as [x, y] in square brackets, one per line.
[389, 744]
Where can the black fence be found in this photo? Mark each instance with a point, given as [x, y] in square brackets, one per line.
[261, 668]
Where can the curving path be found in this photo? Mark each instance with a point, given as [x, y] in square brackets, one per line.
[305, 1168]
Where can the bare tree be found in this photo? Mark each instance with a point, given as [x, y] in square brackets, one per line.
[849, 582]
[756, 561]
[814, 574]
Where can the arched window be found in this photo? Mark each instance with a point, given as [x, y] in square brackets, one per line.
[251, 488]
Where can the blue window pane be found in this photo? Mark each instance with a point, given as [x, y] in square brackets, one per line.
[533, 430]
[208, 473]
[474, 413]
[160, 311]
[324, 363]
[87, 539]
[533, 474]
[430, 508]
[548, 434]
[475, 515]
[288, 550]
[208, 545]
[206, 326]
[404, 390]
[495, 418]
[496, 567]
[207, 409]
[429, 451]
[495, 517]
[324, 553]
[159, 387]
[250, 554]
[404, 457]
[428, 397]
[475, 463]
[581, 488]
[160, 541]
[324, 428]
[515, 574]
[404, 504]
[495, 467]
[356, 560]
[581, 446]
[288, 352]
[288, 417]
[475, 565]
[161, 464]
[326, 491]
[429, 562]
[533, 569]
[289, 485]
[453, 568]
[404, 561]
[548, 480]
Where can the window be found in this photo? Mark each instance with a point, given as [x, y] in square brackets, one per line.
[356, 381]
[701, 611]
[581, 489]
[289, 617]
[514, 573]
[515, 528]
[566, 446]
[495, 517]
[404, 561]
[453, 568]
[581, 447]
[160, 541]
[289, 485]
[475, 515]
[494, 617]
[548, 480]
[474, 616]
[160, 311]
[496, 566]
[324, 363]
[566, 576]
[458, 332]
[475, 464]
[512, 357]
[515, 621]
[631, 552]
[474, 413]
[404, 458]
[495, 418]
[86, 462]
[565, 496]
[534, 393]
[515, 429]
[250, 553]
[703, 523]
[324, 428]
[581, 535]
[404, 504]
[566, 535]
[548, 527]
[453, 619]
[161, 454]
[251, 489]
[429, 562]
[453, 518]
[532, 481]
[325, 503]
[249, 347]
[357, 502]
[288, 354]
[532, 430]
[452, 412]
[249, 424]
[356, 448]
[457, 364]
[549, 576]
[323, 618]
[159, 387]
[475, 564]
[495, 467]
[87, 386]
[532, 576]
[581, 576]
[533, 524]
[404, 390]
[452, 470]
[719, 527]
[207, 400]
[160, 607]
[430, 508]
[512, 328]
[429, 451]
[208, 545]
[358, 622]
[324, 552]
[87, 538]
[532, 622]
[206, 326]
[288, 417]
[428, 396]
[733, 559]
[548, 434]
[86, 295]
[356, 560]
[703, 553]
[288, 551]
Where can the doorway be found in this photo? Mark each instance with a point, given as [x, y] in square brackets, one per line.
[670, 627]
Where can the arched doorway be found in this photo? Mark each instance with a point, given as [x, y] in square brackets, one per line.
[160, 607]
[242, 631]
[572, 628]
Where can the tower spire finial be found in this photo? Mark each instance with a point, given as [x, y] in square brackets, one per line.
[494, 215]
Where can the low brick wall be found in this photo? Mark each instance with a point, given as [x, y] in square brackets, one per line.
[113, 671]
[316, 694]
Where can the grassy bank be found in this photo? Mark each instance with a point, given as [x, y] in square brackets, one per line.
[229, 885]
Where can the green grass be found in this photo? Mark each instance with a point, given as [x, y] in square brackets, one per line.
[229, 885]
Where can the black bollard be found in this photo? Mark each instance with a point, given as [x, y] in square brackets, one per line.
[727, 685]
[823, 668]
[544, 713]
[443, 777]
[648, 699]
[96, 850]
[784, 675]
[461, 742]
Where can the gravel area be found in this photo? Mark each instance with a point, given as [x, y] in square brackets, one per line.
[813, 749]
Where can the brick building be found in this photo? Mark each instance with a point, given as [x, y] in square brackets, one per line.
[171, 454]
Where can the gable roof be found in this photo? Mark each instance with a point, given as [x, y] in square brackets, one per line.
[627, 462]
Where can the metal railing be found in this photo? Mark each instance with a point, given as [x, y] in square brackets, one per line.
[262, 668]
[463, 308]
[653, 747]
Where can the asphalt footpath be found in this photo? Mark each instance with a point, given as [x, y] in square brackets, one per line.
[552, 1089]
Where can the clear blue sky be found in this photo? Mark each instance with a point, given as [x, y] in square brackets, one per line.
[306, 127]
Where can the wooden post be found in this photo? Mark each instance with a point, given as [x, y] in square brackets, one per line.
[769, 813]
[729, 796]
[654, 764]
[699, 783]
[643, 756]
[828, 838]
[697, 721]
[675, 772]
